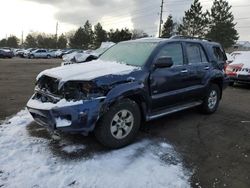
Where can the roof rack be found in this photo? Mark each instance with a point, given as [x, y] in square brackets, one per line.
[189, 37]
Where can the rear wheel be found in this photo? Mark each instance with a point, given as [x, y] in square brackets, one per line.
[48, 56]
[119, 126]
[211, 101]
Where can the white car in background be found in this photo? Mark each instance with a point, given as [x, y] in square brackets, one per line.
[86, 56]
[40, 53]
[27, 52]
[239, 69]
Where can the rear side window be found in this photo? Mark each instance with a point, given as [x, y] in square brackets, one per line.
[174, 51]
[219, 54]
[195, 53]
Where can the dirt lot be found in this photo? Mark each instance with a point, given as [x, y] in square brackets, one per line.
[216, 147]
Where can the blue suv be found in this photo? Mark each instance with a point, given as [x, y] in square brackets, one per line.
[134, 81]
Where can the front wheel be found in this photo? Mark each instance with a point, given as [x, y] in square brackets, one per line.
[211, 101]
[119, 126]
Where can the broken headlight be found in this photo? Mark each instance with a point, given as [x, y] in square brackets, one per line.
[82, 90]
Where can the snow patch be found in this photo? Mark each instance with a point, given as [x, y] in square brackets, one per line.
[62, 122]
[73, 148]
[32, 103]
[27, 161]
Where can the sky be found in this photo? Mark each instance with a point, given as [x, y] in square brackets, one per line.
[27, 16]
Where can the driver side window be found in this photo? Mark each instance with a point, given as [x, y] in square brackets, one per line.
[173, 50]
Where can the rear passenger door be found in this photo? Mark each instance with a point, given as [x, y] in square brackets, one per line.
[197, 60]
[43, 53]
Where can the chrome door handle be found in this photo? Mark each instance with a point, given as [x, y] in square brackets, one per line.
[184, 71]
[206, 68]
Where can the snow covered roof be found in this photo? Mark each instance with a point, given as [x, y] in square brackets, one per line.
[243, 44]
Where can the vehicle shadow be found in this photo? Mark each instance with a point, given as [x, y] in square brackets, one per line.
[241, 86]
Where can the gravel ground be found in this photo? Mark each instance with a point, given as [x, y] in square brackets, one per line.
[216, 147]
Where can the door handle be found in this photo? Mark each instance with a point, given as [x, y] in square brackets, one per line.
[184, 71]
[206, 68]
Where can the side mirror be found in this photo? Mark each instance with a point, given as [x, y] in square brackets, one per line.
[164, 62]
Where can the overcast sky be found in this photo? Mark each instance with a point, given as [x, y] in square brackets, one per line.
[42, 15]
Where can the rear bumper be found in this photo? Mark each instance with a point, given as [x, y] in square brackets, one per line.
[76, 117]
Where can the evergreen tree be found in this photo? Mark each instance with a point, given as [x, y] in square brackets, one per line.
[194, 22]
[117, 35]
[30, 41]
[168, 28]
[138, 33]
[3, 43]
[222, 26]
[62, 42]
[88, 37]
[77, 40]
[12, 42]
[100, 35]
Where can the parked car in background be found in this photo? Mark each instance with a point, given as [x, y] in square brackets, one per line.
[85, 56]
[53, 52]
[239, 69]
[40, 53]
[230, 58]
[134, 81]
[6, 53]
[27, 52]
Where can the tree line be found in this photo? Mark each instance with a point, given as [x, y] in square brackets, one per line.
[217, 24]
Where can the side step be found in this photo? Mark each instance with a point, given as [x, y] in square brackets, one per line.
[173, 110]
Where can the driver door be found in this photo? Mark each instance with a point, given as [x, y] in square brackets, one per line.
[168, 85]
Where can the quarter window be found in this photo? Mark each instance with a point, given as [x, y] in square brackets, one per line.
[219, 55]
[174, 51]
[195, 53]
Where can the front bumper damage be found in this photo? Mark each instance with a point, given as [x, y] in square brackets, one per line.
[80, 116]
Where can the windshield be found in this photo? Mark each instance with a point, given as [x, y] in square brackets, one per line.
[131, 53]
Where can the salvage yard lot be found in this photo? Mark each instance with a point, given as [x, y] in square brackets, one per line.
[214, 151]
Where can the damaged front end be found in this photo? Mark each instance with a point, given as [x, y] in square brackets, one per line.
[72, 107]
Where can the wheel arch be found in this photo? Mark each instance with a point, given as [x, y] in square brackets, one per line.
[218, 81]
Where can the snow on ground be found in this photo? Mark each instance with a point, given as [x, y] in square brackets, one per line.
[27, 161]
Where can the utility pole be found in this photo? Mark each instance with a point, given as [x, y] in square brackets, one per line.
[56, 32]
[22, 39]
[56, 29]
[162, 2]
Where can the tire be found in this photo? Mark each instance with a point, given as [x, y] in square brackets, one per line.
[119, 126]
[48, 56]
[32, 57]
[211, 102]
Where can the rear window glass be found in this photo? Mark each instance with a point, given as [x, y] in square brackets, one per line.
[219, 54]
[195, 53]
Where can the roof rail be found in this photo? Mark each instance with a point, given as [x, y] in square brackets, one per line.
[189, 37]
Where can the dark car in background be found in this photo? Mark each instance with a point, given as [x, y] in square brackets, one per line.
[133, 81]
[6, 53]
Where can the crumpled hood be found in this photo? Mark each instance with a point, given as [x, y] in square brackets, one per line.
[87, 71]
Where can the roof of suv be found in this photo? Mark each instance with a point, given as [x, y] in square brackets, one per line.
[187, 39]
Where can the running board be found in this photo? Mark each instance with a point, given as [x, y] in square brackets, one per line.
[173, 110]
